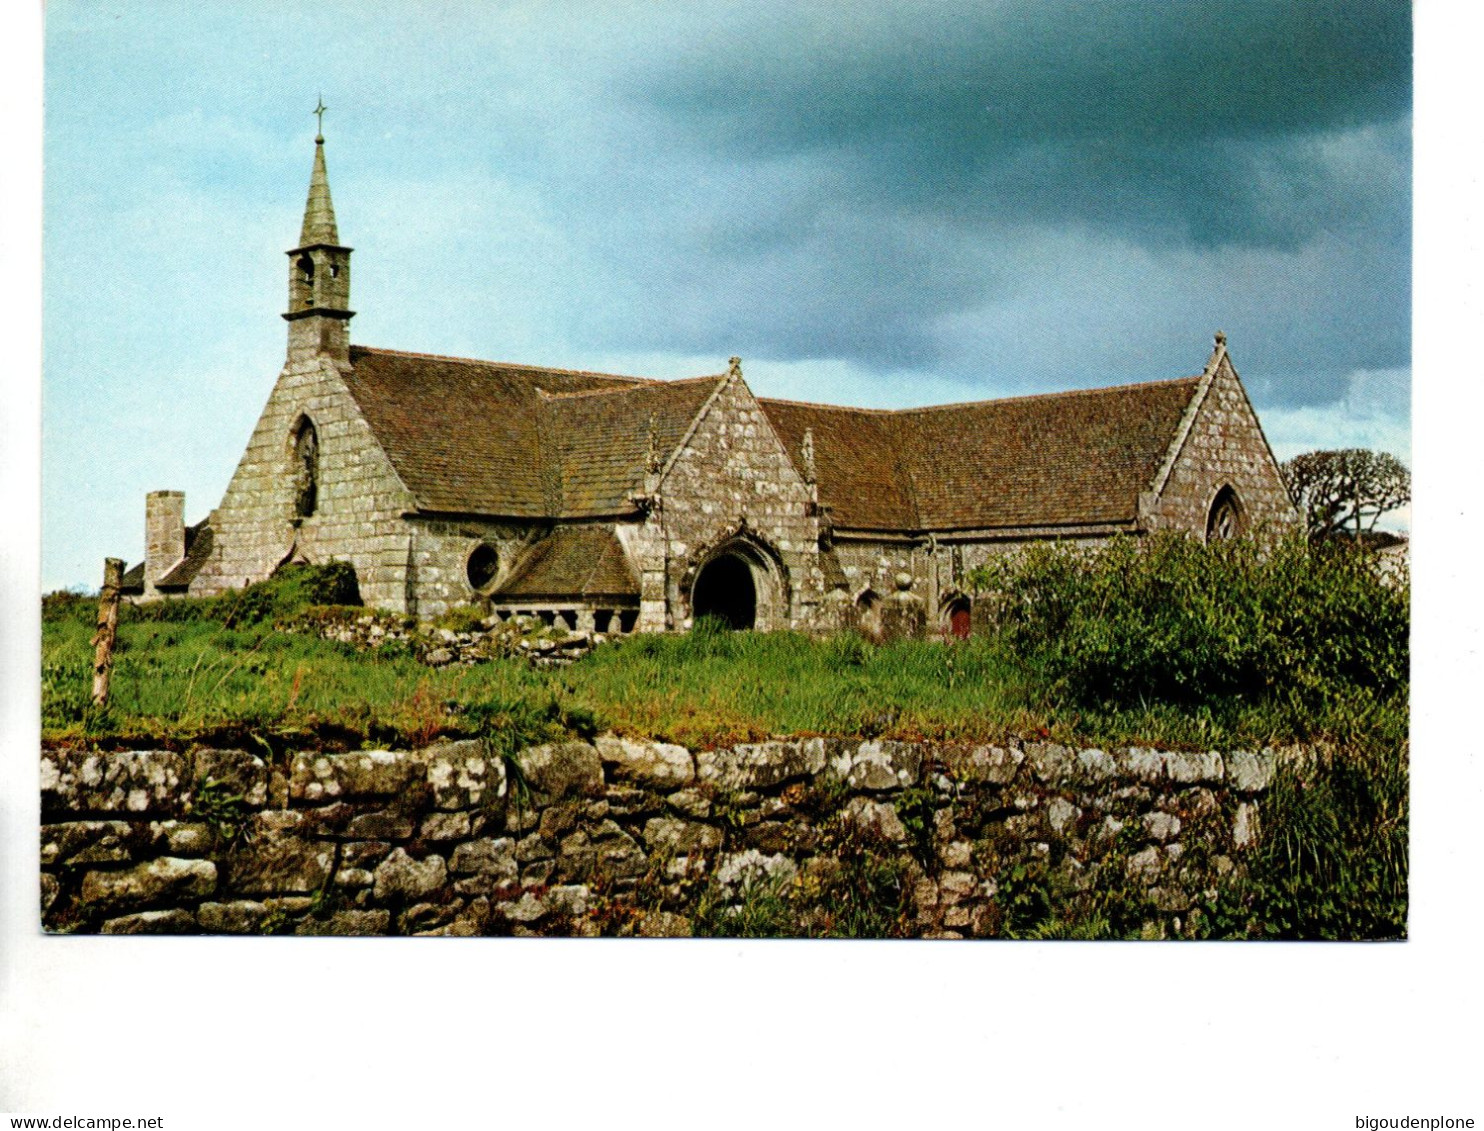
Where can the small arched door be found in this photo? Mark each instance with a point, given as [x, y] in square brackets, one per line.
[959, 619]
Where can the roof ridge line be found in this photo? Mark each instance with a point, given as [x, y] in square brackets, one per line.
[641, 383]
[512, 365]
[1165, 381]
[984, 401]
[820, 404]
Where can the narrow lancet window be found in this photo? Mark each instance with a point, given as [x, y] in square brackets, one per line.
[306, 469]
[1225, 520]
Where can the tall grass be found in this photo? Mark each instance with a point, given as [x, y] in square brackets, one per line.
[1160, 641]
[189, 678]
[712, 685]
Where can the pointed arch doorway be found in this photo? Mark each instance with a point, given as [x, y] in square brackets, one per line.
[725, 591]
[740, 581]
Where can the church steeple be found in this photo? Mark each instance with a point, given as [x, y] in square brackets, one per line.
[319, 311]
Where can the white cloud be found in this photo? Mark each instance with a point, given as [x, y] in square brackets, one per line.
[1375, 412]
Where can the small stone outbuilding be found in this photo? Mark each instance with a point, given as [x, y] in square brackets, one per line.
[616, 504]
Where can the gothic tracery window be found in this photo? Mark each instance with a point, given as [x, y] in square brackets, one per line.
[306, 469]
[1225, 520]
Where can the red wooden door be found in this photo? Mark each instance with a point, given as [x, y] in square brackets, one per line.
[958, 621]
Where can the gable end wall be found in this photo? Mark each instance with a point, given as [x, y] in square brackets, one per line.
[732, 466]
[1225, 446]
[361, 499]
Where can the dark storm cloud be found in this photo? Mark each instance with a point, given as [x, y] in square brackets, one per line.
[1194, 119]
[852, 179]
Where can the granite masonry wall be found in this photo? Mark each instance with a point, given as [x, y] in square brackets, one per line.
[361, 499]
[732, 485]
[1224, 447]
[629, 837]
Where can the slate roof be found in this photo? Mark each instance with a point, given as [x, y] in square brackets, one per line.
[603, 439]
[466, 436]
[133, 580]
[579, 562]
[1060, 459]
[856, 458]
[198, 543]
[492, 438]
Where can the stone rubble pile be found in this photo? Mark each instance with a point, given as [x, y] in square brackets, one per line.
[541, 644]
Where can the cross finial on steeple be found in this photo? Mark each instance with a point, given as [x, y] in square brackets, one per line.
[319, 112]
[319, 273]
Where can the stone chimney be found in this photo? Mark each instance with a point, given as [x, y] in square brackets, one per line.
[164, 535]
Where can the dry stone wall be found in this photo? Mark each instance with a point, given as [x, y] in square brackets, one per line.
[628, 837]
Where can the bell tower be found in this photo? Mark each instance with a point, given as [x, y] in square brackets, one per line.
[319, 311]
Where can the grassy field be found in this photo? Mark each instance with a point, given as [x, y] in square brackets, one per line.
[1169, 644]
[189, 679]
[1163, 643]
[186, 680]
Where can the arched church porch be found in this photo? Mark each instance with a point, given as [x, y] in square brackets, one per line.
[741, 584]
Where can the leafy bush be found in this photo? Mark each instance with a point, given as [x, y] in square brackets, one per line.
[462, 618]
[291, 590]
[1166, 619]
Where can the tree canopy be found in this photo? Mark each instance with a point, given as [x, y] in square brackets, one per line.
[1346, 491]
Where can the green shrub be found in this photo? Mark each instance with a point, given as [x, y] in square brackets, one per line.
[291, 590]
[462, 618]
[1168, 620]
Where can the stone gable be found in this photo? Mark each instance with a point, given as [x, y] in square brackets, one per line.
[357, 516]
[1224, 447]
[730, 482]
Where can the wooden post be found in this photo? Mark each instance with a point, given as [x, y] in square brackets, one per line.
[108, 620]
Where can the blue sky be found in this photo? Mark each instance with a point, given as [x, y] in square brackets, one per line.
[915, 203]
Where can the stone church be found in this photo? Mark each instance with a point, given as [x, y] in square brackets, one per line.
[618, 504]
